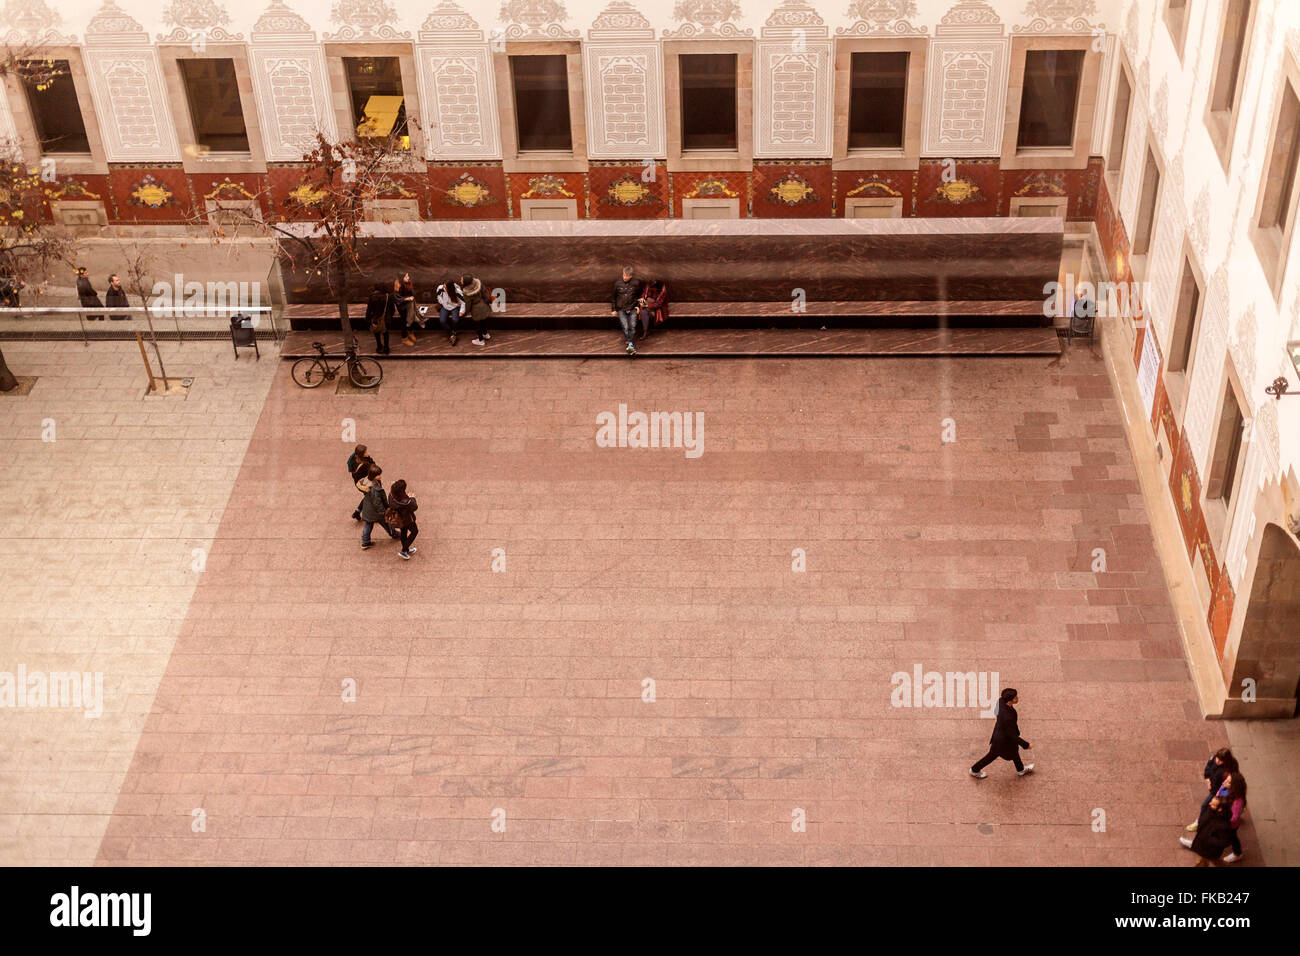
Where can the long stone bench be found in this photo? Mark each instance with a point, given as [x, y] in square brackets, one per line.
[719, 273]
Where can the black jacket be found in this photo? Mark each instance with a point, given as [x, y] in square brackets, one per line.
[87, 294]
[625, 295]
[1006, 739]
[405, 508]
[380, 309]
[116, 297]
[1213, 832]
[374, 504]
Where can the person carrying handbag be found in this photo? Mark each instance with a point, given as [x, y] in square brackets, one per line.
[380, 308]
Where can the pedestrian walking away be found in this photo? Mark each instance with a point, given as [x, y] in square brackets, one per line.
[374, 508]
[478, 306]
[401, 515]
[1006, 741]
[624, 304]
[359, 463]
[116, 296]
[87, 295]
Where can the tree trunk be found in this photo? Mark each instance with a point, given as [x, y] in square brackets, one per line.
[7, 381]
[341, 284]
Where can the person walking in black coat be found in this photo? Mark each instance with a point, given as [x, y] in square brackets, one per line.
[403, 506]
[374, 508]
[87, 295]
[359, 463]
[1220, 764]
[1214, 832]
[1006, 740]
[116, 296]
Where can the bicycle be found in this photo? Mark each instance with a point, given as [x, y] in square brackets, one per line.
[314, 370]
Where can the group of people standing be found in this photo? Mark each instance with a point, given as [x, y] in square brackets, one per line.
[393, 511]
[638, 304]
[1217, 824]
[115, 296]
[393, 308]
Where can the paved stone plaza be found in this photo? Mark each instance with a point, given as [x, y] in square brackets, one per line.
[515, 696]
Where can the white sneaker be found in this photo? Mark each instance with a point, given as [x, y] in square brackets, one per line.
[412, 549]
[1186, 841]
[1233, 857]
[1029, 768]
[478, 341]
[979, 774]
[404, 555]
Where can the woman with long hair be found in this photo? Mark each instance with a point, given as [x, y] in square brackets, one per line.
[402, 506]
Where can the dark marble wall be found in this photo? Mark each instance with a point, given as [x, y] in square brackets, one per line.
[762, 267]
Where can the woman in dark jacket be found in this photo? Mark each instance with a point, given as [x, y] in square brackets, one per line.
[1006, 740]
[374, 507]
[1214, 832]
[406, 307]
[116, 296]
[480, 310]
[87, 295]
[380, 308]
[653, 306]
[1220, 764]
[404, 506]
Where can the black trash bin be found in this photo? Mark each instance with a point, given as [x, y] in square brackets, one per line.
[243, 335]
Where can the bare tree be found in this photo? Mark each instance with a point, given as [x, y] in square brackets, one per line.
[319, 226]
[29, 244]
[137, 274]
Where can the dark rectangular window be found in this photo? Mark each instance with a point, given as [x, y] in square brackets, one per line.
[542, 102]
[1049, 98]
[1279, 178]
[378, 104]
[215, 109]
[56, 114]
[1227, 450]
[1119, 124]
[1232, 46]
[708, 100]
[1186, 314]
[877, 100]
[1146, 219]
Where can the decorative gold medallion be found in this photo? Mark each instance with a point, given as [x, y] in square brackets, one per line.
[307, 195]
[872, 184]
[629, 191]
[793, 190]
[468, 192]
[710, 189]
[151, 194]
[546, 187]
[958, 192]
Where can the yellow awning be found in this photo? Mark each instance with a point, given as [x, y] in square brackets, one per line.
[380, 116]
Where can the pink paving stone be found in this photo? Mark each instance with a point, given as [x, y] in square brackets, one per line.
[482, 693]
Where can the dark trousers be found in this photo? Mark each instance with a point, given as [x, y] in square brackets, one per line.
[989, 757]
[381, 342]
[1236, 841]
[409, 531]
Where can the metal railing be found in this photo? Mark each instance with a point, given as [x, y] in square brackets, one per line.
[176, 312]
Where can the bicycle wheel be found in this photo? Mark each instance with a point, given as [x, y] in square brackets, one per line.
[309, 372]
[366, 373]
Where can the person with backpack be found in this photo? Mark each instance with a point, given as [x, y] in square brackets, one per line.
[1006, 740]
[87, 295]
[451, 307]
[359, 463]
[401, 515]
[478, 306]
[374, 508]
